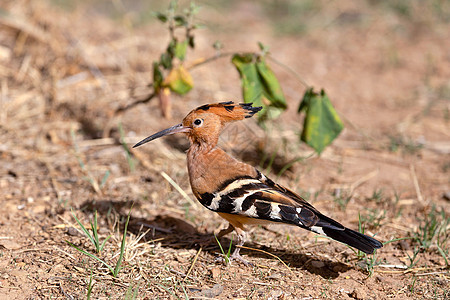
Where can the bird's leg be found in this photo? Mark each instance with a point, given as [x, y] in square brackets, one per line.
[212, 240]
[225, 231]
[240, 242]
[240, 231]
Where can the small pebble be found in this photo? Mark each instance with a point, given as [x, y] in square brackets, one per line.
[446, 196]
[215, 273]
[72, 231]
[358, 293]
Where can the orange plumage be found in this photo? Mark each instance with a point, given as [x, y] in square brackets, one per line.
[238, 192]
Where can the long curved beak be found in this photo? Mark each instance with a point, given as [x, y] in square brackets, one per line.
[174, 129]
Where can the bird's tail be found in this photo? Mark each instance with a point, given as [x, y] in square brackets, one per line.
[336, 231]
[353, 238]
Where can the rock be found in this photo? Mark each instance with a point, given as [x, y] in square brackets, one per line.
[213, 292]
[215, 272]
[276, 294]
[446, 195]
[358, 293]
[404, 245]
[275, 276]
[72, 231]
[317, 264]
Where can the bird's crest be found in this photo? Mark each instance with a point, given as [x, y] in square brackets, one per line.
[230, 111]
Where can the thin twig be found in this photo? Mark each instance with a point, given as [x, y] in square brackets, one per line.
[194, 65]
[123, 109]
[203, 61]
[394, 266]
[432, 273]
[68, 254]
[363, 179]
[292, 71]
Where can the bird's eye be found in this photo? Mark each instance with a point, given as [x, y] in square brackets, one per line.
[198, 122]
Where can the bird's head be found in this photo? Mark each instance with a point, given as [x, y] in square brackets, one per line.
[204, 124]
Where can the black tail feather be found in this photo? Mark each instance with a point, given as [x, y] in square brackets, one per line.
[353, 238]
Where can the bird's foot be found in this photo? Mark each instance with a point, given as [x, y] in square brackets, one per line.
[234, 257]
[237, 257]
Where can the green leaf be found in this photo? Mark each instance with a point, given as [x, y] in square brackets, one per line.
[252, 88]
[194, 8]
[322, 123]
[259, 85]
[162, 17]
[180, 20]
[157, 76]
[165, 60]
[191, 41]
[264, 49]
[309, 94]
[179, 81]
[217, 45]
[173, 5]
[171, 48]
[180, 50]
[271, 85]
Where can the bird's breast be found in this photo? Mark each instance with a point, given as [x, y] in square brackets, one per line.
[208, 171]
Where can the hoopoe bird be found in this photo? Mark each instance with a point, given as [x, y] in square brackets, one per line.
[237, 191]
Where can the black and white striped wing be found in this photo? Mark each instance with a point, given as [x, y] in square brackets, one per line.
[261, 198]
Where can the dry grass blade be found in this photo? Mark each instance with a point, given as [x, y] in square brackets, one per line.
[20, 24]
[416, 183]
[193, 263]
[179, 189]
[265, 252]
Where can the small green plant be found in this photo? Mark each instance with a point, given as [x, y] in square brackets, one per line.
[259, 83]
[365, 261]
[94, 239]
[225, 255]
[130, 160]
[368, 262]
[413, 259]
[175, 285]
[90, 287]
[377, 196]
[94, 236]
[413, 284]
[169, 74]
[131, 293]
[404, 144]
[342, 200]
[188, 215]
[89, 176]
[374, 217]
[434, 231]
